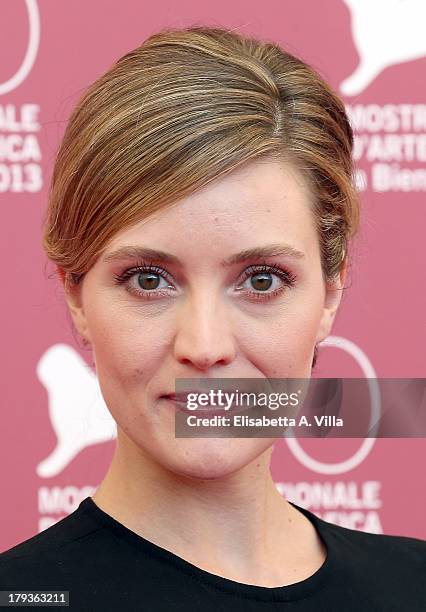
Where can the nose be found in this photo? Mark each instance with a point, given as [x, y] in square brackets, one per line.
[204, 335]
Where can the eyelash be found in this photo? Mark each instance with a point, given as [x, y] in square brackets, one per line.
[288, 278]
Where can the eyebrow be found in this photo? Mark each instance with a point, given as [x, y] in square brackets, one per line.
[270, 250]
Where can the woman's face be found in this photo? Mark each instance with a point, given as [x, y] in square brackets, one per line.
[203, 312]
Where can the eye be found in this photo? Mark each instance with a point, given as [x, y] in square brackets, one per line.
[265, 281]
[147, 283]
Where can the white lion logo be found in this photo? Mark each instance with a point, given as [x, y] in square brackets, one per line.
[77, 410]
[385, 32]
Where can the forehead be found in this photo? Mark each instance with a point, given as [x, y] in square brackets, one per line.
[263, 201]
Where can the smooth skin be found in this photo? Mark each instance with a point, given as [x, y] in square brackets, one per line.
[210, 501]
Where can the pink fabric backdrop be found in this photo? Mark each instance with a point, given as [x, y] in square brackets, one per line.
[55, 441]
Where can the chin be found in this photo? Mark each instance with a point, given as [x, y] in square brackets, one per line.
[215, 458]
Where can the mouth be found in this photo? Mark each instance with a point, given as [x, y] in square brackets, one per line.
[180, 397]
[180, 403]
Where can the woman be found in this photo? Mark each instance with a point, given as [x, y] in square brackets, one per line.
[201, 208]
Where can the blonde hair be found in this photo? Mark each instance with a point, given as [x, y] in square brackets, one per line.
[183, 108]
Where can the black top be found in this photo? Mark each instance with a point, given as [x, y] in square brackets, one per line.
[107, 567]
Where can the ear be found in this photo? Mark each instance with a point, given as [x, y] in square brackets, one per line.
[73, 297]
[333, 295]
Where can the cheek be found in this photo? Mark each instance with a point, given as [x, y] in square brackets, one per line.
[127, 347]
[283, 345]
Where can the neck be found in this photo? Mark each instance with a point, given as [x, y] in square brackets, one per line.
[238, 526]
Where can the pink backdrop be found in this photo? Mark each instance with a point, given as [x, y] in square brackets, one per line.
[56, 437]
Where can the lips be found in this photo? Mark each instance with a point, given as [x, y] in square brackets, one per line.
[180, 402]
[180, 397]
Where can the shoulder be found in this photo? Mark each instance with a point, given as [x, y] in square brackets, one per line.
[394, 554]
[73, 527]
[385, 572]
[371, 545]
[380, 541]
[43, 553]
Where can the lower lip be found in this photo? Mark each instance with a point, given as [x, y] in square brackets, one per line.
[206, 410]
